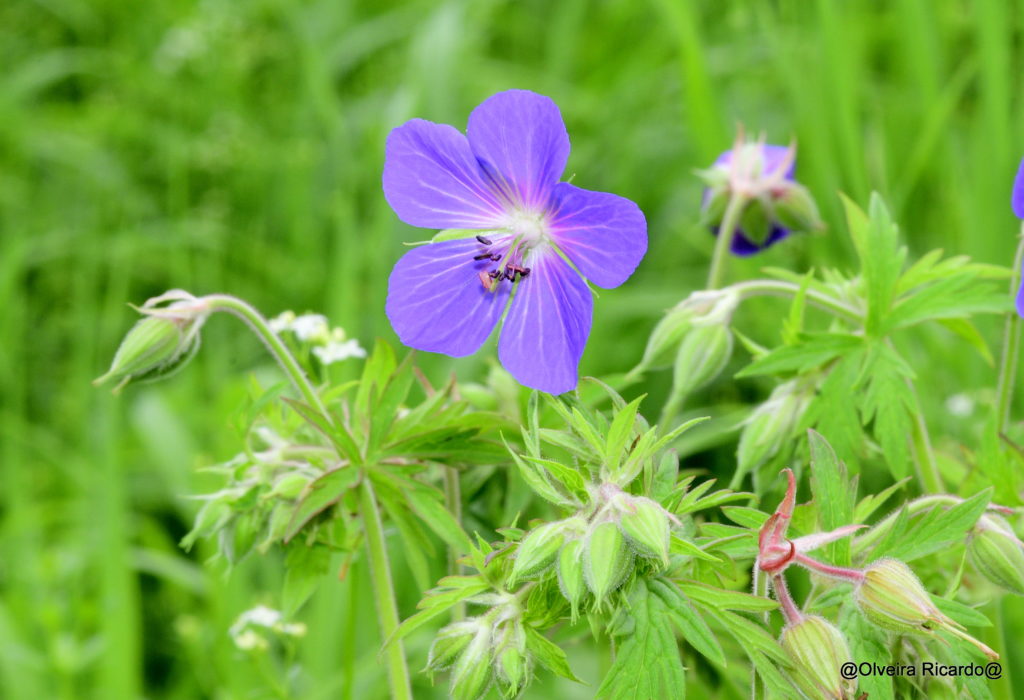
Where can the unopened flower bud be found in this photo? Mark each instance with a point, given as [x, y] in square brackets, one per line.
[539, 548]
[770, 425]
[703, 354]
[512, 663]
[665, 338]
[606, 559]
[471, 675]
[646, 525]
[818, 651]
[997, 553]
[892, 597]
[450, 642]
[570, 575]
[160, 344]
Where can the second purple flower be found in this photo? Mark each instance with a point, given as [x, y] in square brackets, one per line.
[531, 239]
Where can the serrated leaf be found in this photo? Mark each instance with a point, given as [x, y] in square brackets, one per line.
[319, 495]
[812, 350]
[549, 654]
[691, 625]
[935, 529]
[722, 599]
[619, 433]
[833, 496]
[876, 239]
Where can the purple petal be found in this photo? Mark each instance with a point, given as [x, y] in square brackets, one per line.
[521, 141]
[744, 247]
[1020, 296]
[436, 301]
[604, 235]
[1017, 199]
[433, 180]
[547, 326]
[774, 156]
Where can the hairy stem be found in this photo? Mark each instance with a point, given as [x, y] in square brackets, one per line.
[726, 231]
[840, 572]
[781, 288]
[384, 592]
[1011, 347]
[380, 567]
[790, 610]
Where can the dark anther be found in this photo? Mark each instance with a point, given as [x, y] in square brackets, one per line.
[495, 257]
[483, 240]
[495, 274]
[483, 256]
[525, 271]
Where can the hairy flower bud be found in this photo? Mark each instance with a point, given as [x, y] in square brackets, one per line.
[160, 344]
[471, 675]
[818, 651]
[512, 662]
[570, 575]
[891, 596]
[606, 559]
[795, 208]
[450, 642]
[770, 425]
[701, 357]
[539, 548]
[997, 553]
[646, 525]
[702, 308]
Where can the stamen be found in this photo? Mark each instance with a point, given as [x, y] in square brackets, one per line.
[485, 280]
[485, 241]
[484, 256]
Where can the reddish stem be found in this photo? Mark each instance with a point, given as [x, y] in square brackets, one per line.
[839, 572]
[790, 611]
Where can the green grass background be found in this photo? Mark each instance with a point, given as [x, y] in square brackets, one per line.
[237, 146]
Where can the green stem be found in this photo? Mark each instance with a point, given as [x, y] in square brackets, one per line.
[752, 288]
[280, 352]
[924, 456]
[380, 567]
[453, 501]
[1011, 348]
[384, 592]
[726, 231]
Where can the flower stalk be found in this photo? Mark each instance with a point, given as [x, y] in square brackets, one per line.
[1011, 347]
[730, 222]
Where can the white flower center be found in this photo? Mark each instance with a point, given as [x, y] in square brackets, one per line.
[531, 227]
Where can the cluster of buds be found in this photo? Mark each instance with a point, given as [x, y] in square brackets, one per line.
[886, 591]
[485, 650]
[773, 203]
[160, 343]
[594, 555]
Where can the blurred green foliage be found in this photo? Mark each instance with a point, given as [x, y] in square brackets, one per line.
[237, 146]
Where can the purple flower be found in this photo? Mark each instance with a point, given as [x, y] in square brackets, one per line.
[763, 166]
[1017, 203]
[535, 237]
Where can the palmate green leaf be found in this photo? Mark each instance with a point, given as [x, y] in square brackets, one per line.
[876, 238]
[647, 664]
[377, 370]
[867, 643]
[959, 296]
[872, 502]
[963, 328]
[549, 654]
[537, 480]
[833, 496]
[938, 528]
[450, 591]
[833, 412]
[691, 625]
[723, 599]
[336, 432]
[319, 495]
[426, 502]
[385, 405]
[812, 350]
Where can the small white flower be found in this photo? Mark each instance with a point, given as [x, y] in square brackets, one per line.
[310, 327]
[261, 616]
[960, 405]
[336, 352]
[250, 641]
[282, 322]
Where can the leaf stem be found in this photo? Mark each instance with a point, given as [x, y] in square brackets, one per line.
[840, 572]
[726, 231]
[384, 592]
[1011, 347]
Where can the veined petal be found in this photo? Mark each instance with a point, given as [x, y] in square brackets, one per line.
[1017, 199]
[436, 301]
[520, 139]
[547, 326]
[433, 180]
[604, 235]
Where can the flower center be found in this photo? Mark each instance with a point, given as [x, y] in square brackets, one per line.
[530, 227]
[509, 263]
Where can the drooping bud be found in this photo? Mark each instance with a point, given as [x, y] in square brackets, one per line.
[539, 548]
[771, 425]
[646, 524]
[997, 553]
[703, 354]
[702, 308]
[160, 344]
[891, 596]
[606, 559]
[818, 651]
[570, 575]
